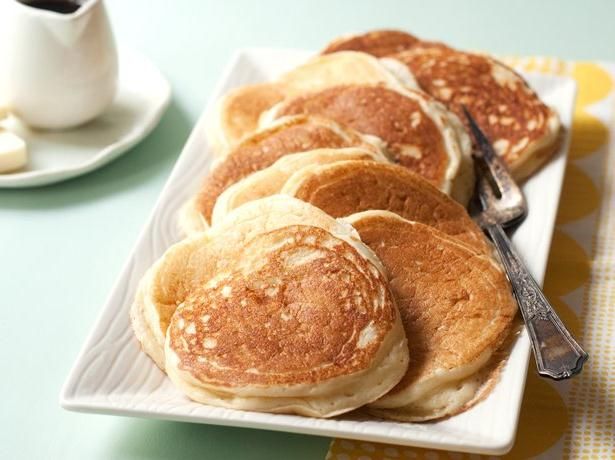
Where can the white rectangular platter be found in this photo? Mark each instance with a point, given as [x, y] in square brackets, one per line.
[112, 375]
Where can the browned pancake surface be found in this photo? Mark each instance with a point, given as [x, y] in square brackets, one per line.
[508, 111]
[411, 135]
[454, 302]
[353, 186]
[262, 149]
[296, 318]
[378, 43]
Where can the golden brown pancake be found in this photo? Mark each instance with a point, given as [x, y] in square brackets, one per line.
[342, 189]
[523, 130]
[190, 263]
[269, 181]
[418, 132]
[262, 149]
[237, 113]
[456, 306]
[299, 323]
[161, 289]
[379, 43]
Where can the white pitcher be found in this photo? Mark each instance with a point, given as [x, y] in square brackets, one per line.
[57, 70]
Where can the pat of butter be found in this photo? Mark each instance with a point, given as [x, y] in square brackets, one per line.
[13, 154]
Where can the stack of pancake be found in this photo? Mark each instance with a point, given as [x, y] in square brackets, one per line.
[329, 262]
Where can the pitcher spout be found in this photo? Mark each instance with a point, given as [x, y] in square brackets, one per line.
[67, 29]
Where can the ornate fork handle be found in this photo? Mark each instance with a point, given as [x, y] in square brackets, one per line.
[557, 354]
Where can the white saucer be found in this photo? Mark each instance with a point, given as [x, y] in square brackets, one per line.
[54, 156]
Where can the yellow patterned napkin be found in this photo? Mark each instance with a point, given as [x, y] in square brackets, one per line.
[573, 419]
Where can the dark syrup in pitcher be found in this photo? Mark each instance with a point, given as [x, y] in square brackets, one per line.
[57, 6]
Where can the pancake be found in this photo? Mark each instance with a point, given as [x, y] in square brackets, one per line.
[299, 323]
[456, 396]
[142, 330]
[157, 295]
[378, 43]
[349, 67]
[524, 131]
[270, 181]
[342, 189]
[260, 150]
[419, 133]
[189, 264]
[457, 309]
[237, 113]
[190, 220]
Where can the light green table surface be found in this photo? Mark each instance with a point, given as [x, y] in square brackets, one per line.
[61, 247]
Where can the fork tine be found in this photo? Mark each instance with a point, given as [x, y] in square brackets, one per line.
[485, 192]
[501, 178]
[484, 146]
[486, 195]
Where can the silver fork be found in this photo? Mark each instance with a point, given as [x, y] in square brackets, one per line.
[558, 355]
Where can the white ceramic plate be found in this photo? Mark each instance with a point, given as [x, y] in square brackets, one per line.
[54, 156]
[113, 376]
